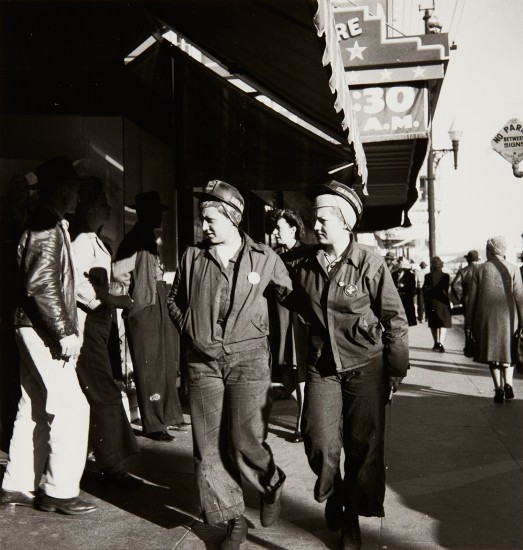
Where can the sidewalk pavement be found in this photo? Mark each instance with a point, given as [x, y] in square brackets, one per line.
[454, 478]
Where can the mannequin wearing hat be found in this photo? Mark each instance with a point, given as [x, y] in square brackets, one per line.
[150, 334]
[346, 294]
[218, 302]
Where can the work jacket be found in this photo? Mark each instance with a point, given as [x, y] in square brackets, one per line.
[194, 300]
[47, 277]
[356, 309]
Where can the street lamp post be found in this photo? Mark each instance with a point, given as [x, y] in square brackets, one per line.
[435, 155]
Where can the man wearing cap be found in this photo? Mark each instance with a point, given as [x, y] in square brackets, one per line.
[460, 288]
[218, 302]
[358, 341]
[51, 428]
[390, 260]
[461, 283]
[149, 331]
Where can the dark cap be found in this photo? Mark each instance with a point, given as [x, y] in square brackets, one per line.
[390, 256]
[472, 256]
[333, 187]
[55, 172]
[147, 201]
[217, 190]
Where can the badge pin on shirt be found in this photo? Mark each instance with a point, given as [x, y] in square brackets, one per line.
[253, 278]
[350, 290]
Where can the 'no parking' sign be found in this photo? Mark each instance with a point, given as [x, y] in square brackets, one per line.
[508, 142]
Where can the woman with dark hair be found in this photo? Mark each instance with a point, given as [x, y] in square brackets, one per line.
[437, 302]
[494, 308]
[110, 433]
[288, 331]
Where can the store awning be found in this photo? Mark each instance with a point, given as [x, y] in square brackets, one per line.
[287, 50]
[218, 130]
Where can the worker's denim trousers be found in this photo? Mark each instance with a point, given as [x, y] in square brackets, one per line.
[347, 410]
[230, 405]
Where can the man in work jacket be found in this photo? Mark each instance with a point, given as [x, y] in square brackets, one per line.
[358, 352]
[218, 303]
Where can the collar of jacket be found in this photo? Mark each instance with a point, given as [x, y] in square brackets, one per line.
[353, 254]
[249, 245]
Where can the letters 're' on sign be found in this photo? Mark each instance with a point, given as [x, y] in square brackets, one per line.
[508, 142]
[390, 113]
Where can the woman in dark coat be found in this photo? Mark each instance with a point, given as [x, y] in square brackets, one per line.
[405, 282]
[495, 310]
[437, 302]
[288, 330]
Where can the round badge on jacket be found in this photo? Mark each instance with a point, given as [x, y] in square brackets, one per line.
[253, 278]
[350, 290]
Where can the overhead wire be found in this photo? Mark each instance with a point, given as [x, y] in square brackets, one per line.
[458, 23]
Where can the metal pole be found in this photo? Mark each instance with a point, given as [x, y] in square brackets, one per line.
[431, 202]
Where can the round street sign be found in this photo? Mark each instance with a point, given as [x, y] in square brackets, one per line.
[508, 142]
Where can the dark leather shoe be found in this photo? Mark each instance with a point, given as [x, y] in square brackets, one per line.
[271, 504]
[509, 391]
[161, 436]
[334, 512]
[296, 437]
[16, 498]
[351, 535]
[236, 534]
[69, 506]
[122, 479]
[498, 395]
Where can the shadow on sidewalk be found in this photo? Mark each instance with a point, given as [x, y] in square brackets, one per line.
[456, 459]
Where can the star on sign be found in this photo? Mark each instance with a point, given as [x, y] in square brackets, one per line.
[385, 74]
[356, 51]
[419, 72]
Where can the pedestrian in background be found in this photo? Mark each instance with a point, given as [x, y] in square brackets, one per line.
[358, 341]
[405, 282]
[49, 444]
[437, 303]
[495, 312]
[420, 280]
[461, 282]
[390, 261]
[288, 335]
[218, 303]
[460, 287]
[110, 434]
